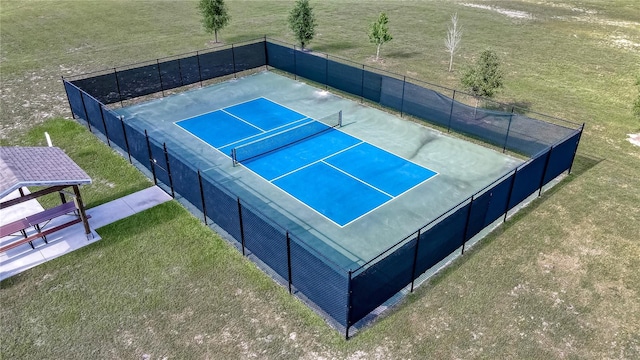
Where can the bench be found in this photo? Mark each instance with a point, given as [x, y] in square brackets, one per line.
[35, 220]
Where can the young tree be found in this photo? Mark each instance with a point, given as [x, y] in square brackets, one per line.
[302, 22]
[454, 35]
[214, 15]
[379, 32]
[485, 78]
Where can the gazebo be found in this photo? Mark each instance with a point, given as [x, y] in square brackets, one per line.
[50, 170]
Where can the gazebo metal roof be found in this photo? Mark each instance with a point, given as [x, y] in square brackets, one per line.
[37, 166]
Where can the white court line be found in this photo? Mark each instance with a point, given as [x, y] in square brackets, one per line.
[312, 163]
[243, 120]
[360, 180]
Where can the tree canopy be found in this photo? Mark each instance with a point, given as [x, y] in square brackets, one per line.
[215, 15]
[302, 22]
[379, 32]
[485, 78]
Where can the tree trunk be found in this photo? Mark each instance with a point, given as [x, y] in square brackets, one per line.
[378, 52]
[216, 34]
[451, 62]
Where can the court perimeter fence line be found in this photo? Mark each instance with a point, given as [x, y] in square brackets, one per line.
[343, 295]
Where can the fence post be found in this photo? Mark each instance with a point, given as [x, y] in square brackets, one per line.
[180, 71]
[104, 125]
[466, 225]
[166, 160]
[126, 141]
[453, 100]
[576, 150]
[289, 260]
[151, 162]
[348, 321]
[68, 99]
[544, 172]
[415, 260]
[86, 114]
[160, 76]
[506, 138]
[199, 69]
[233, 60]
[241, 227]
[115, 74]
[404, 83]
[204, 205]
[326, 72]
[513, 183]
[362, 86]
[266, 54]
[295, 64]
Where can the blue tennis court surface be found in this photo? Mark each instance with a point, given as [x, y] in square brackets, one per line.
[334, 173]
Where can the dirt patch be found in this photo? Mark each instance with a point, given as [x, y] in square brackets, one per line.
[514, 14]
[634, 139]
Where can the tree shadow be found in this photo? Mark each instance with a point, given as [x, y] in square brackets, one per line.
[399, 54]
[334, 46]
[518, 107]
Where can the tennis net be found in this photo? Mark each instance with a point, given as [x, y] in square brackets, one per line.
[285, 138]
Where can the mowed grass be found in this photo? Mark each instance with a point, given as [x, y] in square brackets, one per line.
[559, 280]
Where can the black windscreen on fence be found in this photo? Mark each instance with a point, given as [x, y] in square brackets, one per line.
[499, 194]
[528, 179]
[139, 81]
[426, 104]
[249, 56]
[344, 77]
[159, 162]
[319, 281]
[312, 67]
[74, 95]
[561, 157]
[222, 207]
[102, 87]
[114, 128]
[490, 126]
[265, 240]
[371, 85]
[344, 296]
[442, 239]
[477, 215]
[281, 57]
[190, 70]
[185, 181]
[94, 113]
[380, 281]
[216, 64]
[137, 145]
[170, 74]
[391, 93]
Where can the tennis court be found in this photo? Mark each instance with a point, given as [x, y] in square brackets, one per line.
[338, 175]
[351, 205]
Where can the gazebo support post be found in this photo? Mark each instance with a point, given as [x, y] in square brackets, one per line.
[80, 206]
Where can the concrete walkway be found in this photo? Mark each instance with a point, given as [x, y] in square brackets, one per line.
[21, 258]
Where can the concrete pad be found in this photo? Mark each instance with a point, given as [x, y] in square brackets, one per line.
[21, 258]
[19, 211]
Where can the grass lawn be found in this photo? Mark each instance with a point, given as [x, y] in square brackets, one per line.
[559, 280]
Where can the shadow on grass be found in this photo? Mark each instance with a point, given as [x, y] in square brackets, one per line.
[582, 163]
[518, 107]
[336, 46]
[401, 54]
